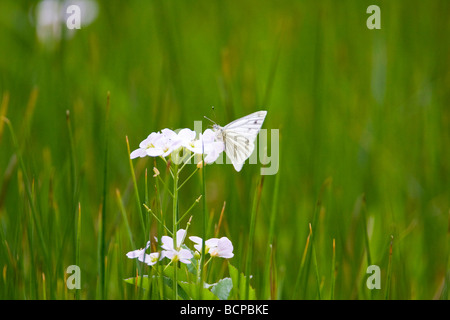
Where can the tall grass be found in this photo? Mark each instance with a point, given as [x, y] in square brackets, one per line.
[367, 108]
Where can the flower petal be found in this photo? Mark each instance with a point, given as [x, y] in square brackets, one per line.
[186, 135]
[154, 152]
[138, 153]
[152, 258]
[170, 134]
[185, 255]
[134, 254]
[225, 248]
[196, 239]
[167, 243]
[209, 135]
[168, 253]
[180, 237]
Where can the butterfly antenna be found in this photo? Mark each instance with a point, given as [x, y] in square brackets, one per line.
[209, 119]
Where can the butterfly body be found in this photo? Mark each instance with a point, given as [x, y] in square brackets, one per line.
[239, 137]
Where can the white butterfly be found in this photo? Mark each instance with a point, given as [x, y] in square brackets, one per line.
[239, 137]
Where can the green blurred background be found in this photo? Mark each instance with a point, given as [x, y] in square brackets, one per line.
[366, 109]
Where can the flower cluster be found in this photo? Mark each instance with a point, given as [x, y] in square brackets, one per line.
[222, 248]
[140, 254]
[165, 142]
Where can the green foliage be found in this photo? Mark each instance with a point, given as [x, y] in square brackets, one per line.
[223, 288]
[367, 108]
[240, 286]
[187, 289]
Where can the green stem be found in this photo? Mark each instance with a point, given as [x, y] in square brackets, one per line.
[165, 161]
[73, 164]
[271, 234]
[316, 267]
[206, 263]
[170, 262]
[78, 240]
[34, 212]
[251, 237]
[202, 259]
[185, 214]
[389, 271]
[187, 179]
[104, 202]
[302, 264]
[363, 208]
[160, 232]
[157, 219]
[165, 186]
[125, 219]
[146, 192]
[136, 191]
[186, 162]
[175, 225]
[366, 232]
[333, 270]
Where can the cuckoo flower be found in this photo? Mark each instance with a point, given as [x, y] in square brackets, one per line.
[208, 145]
[222, 248]
[165, 142]
[138, 253]
[157, 144]
[177, 253]
[148, 258]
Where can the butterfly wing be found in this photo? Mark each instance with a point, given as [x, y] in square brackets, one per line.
[249, 125]
[239, 137]
[238, 148]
